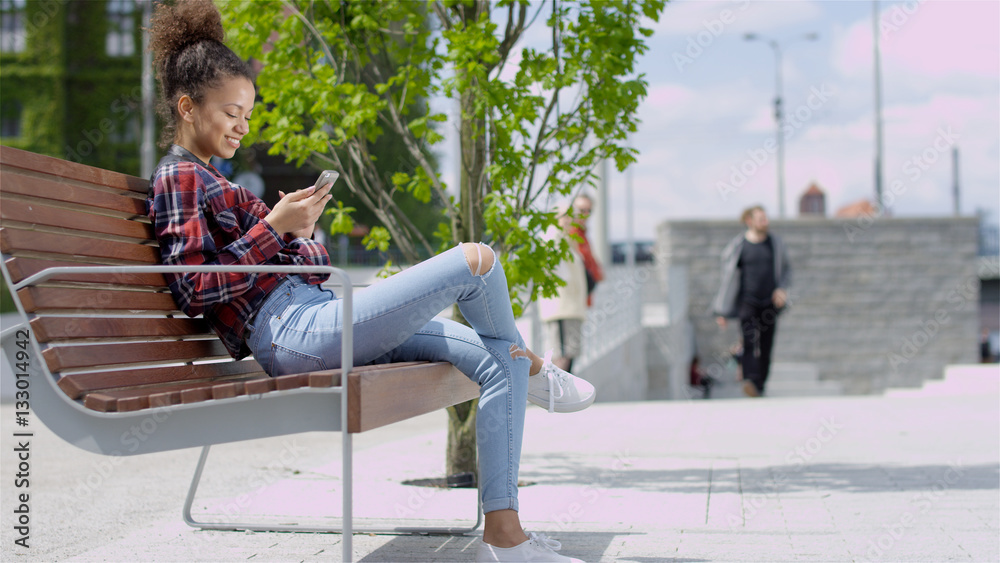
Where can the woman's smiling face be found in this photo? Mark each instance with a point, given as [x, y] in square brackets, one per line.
[216, 125]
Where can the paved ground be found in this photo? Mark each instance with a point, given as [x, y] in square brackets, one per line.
[910, 476]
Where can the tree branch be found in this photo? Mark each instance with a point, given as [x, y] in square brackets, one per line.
[539, 140]
[319, 37]
[511, 35]
[394, 121]
[443, 17]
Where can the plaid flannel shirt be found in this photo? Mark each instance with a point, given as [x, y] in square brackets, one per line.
[201, 219]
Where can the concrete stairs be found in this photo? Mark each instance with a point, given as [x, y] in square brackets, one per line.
[787, 379]
[966, 379]
[795, 379]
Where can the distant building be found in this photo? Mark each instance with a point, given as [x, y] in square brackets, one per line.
[71, 75]
[813, 202]
[861, 208]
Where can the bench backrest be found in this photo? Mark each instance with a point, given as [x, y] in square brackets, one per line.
[117, 343]
[59, 213]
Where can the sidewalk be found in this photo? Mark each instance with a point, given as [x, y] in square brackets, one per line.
[913, 476]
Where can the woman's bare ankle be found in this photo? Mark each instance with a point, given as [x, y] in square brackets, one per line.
[512, 539]
[503, 529]
[536, 363]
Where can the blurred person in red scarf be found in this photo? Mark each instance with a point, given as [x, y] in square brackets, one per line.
[582, 207]
[564, 313]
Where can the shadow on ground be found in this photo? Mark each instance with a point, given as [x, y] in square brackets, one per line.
[589, 546]
[572, 470]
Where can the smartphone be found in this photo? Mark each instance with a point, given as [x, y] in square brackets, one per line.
[327, 177]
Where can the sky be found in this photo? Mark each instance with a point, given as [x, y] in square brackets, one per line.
[706, 141]
[709, 120]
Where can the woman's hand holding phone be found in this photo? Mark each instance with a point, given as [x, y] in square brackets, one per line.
[296, 213]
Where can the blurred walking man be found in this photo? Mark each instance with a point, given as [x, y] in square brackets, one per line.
[755, 278]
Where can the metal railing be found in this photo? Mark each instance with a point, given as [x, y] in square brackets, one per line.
[616, 313]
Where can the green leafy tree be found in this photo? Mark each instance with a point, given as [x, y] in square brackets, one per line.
[534, 121]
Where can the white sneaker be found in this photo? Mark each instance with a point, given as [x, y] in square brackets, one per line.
[559, 390]
[539, 547]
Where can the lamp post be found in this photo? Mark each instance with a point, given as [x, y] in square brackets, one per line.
[779, 116]
[876, 31]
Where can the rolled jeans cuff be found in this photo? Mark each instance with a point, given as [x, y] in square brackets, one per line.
[493, 505]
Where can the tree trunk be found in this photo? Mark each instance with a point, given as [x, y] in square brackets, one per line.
[462, 418]
[462, 438]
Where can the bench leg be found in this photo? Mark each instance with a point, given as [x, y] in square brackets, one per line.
[265, 527]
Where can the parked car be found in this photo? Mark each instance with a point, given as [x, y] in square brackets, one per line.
[643, 251]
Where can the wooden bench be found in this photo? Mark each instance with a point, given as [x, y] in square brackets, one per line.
[101, 345]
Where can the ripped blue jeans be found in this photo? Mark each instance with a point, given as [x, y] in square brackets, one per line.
[298, 329]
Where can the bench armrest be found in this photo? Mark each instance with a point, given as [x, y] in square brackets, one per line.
[10, 331]
[163, 269]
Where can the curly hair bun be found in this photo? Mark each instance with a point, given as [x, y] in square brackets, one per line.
[189, 56]
[175, 26]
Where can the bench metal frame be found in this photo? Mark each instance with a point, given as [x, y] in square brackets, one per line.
[230, 420]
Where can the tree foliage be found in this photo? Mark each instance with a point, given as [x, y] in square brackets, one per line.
[534, 120]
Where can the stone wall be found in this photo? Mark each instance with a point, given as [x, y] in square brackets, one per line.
[619, 374]
[875, 303]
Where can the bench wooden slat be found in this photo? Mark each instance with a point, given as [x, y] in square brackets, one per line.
[14, 159]
[106, 403]
[133, 399]
[137, 398]
[39, 214]
[77, 384]
[186, 392]
[93, 300]
[21, 268]
[20, 240]
[259, 386]
[218, 391]
[124, 202]
[61, 358]
[400, 392]
[380, 395]
[48, 329]
[207, 381]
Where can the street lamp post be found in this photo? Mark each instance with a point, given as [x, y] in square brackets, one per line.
[876, 31]
[779, 116]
